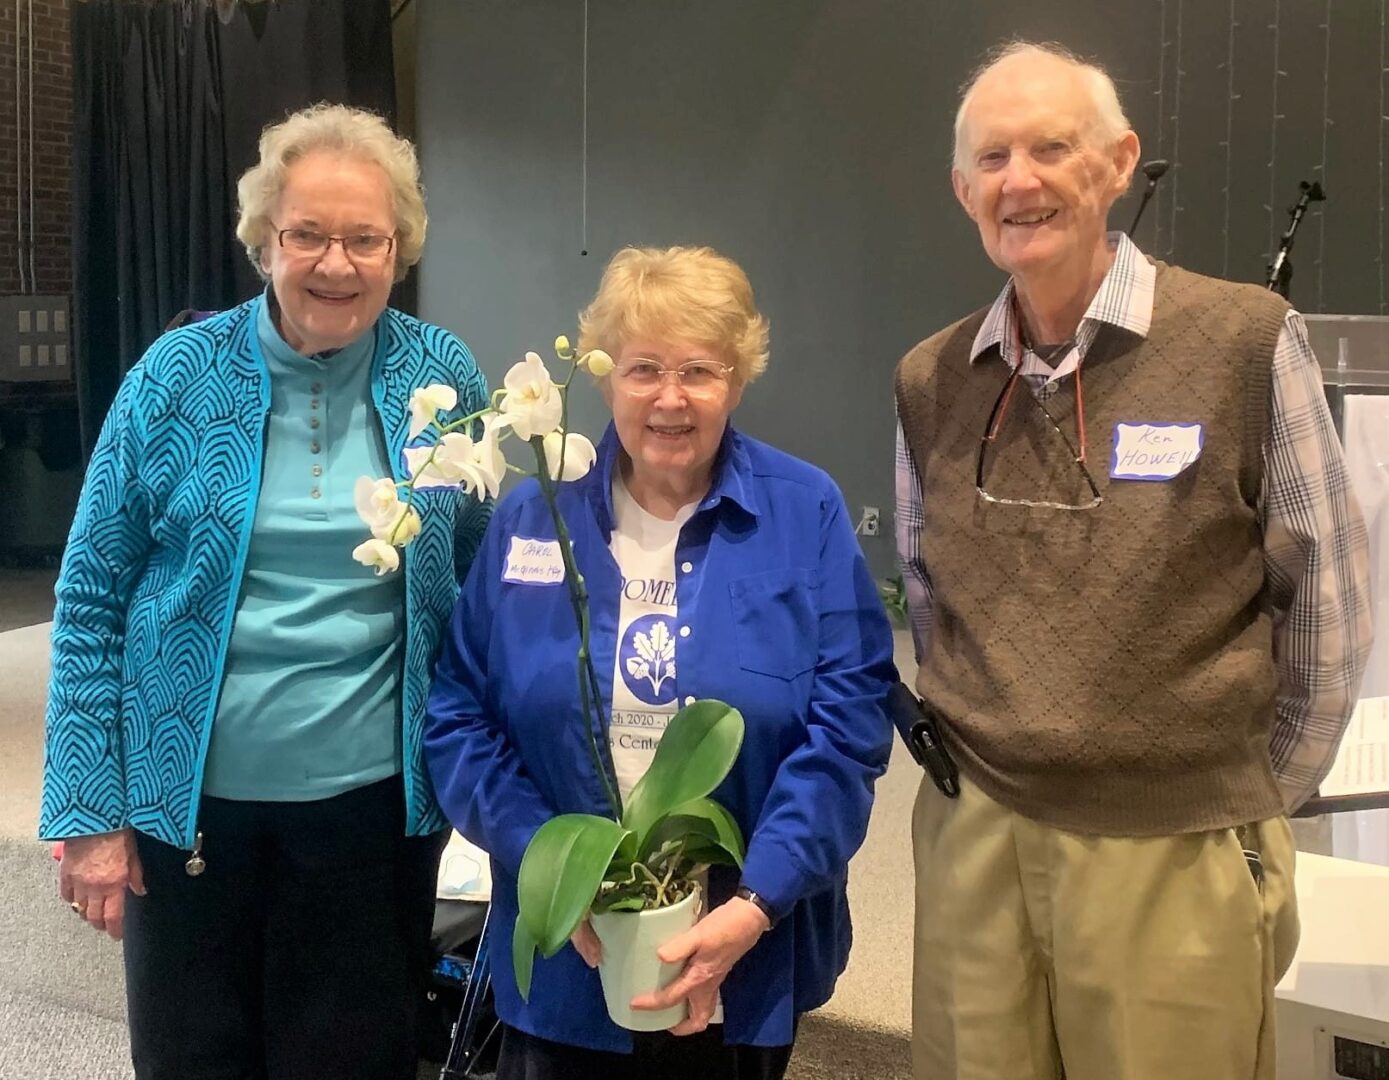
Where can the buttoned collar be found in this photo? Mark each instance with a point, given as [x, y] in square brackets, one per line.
[733, 480]
[1124, 300]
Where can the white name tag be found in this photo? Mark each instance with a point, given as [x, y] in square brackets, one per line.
[1155, 451]
[533, 562]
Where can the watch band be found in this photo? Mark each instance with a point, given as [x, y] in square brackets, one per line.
[744, 893]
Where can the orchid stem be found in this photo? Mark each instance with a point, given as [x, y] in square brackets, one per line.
[578, 598]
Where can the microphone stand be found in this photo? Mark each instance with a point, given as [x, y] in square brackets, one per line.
[1280, 271]
[1154, 171]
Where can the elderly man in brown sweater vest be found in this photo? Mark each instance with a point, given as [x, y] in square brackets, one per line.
[1137, 579]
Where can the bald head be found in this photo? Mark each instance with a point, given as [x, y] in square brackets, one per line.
[1023, 61]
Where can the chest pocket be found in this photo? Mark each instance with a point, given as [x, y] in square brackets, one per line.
[776, 622]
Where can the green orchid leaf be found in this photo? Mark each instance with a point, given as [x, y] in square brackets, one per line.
[523, 958]
[696, 752]
[560, 874]
[700, 824]
[623, 857]
[705, 853]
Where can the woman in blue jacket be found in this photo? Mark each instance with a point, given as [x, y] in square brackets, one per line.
[234, 724]
[717, 567]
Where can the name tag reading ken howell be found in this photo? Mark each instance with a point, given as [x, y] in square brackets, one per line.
[533, 562]
[1155, 451]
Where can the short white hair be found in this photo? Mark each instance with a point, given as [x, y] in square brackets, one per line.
[1110, 120]
[344, 130]
[689, 293]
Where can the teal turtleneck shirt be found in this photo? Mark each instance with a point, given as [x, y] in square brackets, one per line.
[311, 701]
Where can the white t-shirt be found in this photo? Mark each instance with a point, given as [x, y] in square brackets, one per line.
[644, 697]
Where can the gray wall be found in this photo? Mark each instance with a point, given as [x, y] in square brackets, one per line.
[809, 139]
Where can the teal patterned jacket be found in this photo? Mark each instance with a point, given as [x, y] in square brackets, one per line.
[153, 566]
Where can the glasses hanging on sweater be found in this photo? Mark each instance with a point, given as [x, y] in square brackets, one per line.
[1076, 449]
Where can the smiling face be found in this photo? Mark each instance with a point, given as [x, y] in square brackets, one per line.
[1038, 179]
[672, 435]
[328, 301]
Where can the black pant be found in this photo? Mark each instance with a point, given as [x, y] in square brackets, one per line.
[300, 952]
[655, 1056]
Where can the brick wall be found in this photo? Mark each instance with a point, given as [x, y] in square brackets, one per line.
[52, 134]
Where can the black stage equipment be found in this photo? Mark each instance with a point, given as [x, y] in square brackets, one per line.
[1154, 171]
[1280, 271]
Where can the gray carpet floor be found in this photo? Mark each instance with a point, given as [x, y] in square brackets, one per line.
[62, 997]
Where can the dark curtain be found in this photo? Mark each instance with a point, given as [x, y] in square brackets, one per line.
[282, 56]
[169, 103]
[151, 216]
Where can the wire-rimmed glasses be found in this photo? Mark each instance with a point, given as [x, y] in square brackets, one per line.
[359, 247]
[640, 377]
[996, 415]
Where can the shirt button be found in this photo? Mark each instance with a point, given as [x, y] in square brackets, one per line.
[317, 470]
[315, 493]
[686, 567]
[313, 403]
[689, 701]
[313, 447]
[316, 388]
[684, 631]
[313, 422]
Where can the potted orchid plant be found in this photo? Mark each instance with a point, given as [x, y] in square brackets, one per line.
[636, 871]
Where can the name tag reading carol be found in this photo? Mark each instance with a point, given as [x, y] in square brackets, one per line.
[533, 562]
[1155, 451]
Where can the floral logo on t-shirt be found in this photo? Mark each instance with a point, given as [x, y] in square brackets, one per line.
[648, 660]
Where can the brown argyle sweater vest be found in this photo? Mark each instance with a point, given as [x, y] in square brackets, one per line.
[1109, 670]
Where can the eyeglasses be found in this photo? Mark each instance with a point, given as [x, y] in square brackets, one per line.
[996, 415]
[698, 378]
[360, 247]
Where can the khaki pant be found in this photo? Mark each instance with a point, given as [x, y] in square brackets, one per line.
[1043, 954]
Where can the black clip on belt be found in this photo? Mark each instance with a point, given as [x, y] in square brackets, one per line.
[919, 731]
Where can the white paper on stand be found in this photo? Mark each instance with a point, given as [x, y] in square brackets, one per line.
[465, 872]
[1362, 763]
[1365, 835]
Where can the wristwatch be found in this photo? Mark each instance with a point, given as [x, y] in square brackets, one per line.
[744, 893]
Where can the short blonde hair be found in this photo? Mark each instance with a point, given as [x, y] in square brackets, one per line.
[1110, 121]
[688, 293]
[346, 130]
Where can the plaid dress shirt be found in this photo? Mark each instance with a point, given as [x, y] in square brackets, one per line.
[1316, 558]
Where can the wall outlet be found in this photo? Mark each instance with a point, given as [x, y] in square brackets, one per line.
[868, 524]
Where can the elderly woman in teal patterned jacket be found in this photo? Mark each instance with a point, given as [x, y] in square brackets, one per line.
[234, 722]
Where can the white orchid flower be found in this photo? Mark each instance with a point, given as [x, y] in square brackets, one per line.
[420, 467]
[427, 402]
[533, 404]
[440, 465]
[477, 467]
[489, 464]
[457, 461]
[379, 554]
[388, 518]
[579, 455]
[378, 503]
[402, 530]
[598, 363]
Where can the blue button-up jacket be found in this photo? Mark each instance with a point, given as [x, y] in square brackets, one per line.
[786, 625]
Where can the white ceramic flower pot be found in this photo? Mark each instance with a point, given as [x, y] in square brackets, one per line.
[630, 965]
